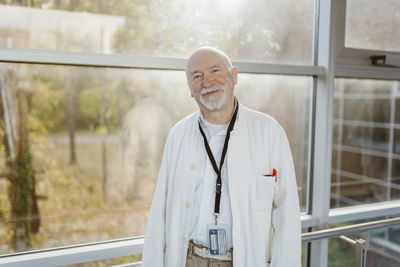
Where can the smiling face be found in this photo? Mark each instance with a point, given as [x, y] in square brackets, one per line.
[211, 79]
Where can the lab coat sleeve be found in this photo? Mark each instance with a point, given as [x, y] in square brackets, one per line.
[286, 241]
[154, 243]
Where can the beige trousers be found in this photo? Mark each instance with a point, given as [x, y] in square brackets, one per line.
[193, 260]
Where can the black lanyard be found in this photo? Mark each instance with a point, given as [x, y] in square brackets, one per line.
[214, 164]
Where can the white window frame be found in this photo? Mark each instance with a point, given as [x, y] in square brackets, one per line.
[37, 56]
[357, 63]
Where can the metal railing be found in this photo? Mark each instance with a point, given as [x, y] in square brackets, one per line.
[133, 246]
[361, 245]
[348, 230]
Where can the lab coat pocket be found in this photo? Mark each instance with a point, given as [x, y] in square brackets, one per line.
[264, 192]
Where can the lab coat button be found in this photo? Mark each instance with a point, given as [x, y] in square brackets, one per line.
[193, 167]
[187, 204]
[184, 239]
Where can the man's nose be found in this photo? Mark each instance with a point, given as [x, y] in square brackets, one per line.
[207, 81]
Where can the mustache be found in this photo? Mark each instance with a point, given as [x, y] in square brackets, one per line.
[210, 90]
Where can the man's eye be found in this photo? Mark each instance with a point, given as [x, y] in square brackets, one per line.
[196, 77]
[215, 70]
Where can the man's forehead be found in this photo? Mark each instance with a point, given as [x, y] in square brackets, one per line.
[205, 59]
[200, 67]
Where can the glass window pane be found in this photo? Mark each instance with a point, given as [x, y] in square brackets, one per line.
[340, 253]
[94, 141]
[395, 190]
[383, 249]
[363, 100]
[247, 30]
[372, 110]
[364, 140]
[373, 24]
[396, 142]
[89, 143]
[397, 111]
[366, 137]
[364, 164]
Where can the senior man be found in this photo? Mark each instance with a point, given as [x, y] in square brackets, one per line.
[226, 194]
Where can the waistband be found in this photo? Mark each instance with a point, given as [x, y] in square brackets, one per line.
[204, 252]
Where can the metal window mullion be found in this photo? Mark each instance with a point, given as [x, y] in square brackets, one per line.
[362, 212]
[365, 96]
[361, 57]
[323, 128]
[38, 56]
[365, 178]
[311, 142]
[367, 72]
[364, 123]
[35, 56]
[391, 141]
[371, 152]
[339, 140]
[311, 136]
[346, 200]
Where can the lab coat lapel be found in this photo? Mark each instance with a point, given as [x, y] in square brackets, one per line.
[191, 169]
[239, 172]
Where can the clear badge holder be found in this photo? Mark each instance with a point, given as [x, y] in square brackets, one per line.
[218, 239]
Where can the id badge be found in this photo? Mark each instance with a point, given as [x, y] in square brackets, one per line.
[217, 239]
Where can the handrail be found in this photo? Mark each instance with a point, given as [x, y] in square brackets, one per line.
[330, 233]
[130, 246]
[348, 230]
[136, 239]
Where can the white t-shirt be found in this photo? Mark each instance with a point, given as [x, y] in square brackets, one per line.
[204, 200]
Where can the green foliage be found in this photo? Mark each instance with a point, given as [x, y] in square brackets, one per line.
[99, 98]
[88, 111]
[102, 101]
[22, 186]
[46, 102]
[139, 34]
[339, 254]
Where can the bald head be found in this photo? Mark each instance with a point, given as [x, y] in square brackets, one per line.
[206, 51]
[211, 79]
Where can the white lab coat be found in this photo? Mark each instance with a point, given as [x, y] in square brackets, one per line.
[265, 213]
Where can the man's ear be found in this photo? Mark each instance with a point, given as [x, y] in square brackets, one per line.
[190, 89]
[234, 74]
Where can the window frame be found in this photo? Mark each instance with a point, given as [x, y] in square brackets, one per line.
[338, 62]
[36, 56]
[357, 62]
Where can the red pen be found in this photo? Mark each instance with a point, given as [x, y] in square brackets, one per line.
[274, 174]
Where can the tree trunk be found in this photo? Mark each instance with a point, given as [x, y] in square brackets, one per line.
[14, 121]
[71, 119]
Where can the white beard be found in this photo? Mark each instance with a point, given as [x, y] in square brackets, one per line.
[213, 103]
